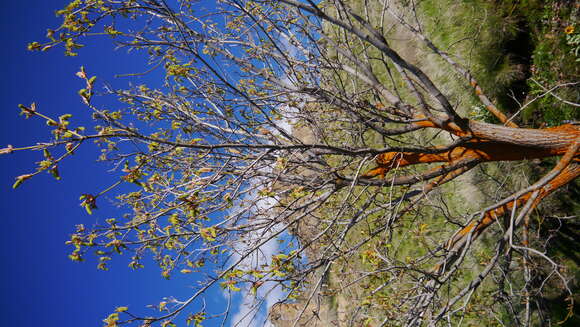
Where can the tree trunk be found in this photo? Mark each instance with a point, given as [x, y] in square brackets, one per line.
[488, 142]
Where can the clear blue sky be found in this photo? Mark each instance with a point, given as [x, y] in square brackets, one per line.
[40, 286]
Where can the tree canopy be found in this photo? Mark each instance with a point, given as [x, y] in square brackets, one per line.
[300, 147]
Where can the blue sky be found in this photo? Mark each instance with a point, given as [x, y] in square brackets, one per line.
[39, 285]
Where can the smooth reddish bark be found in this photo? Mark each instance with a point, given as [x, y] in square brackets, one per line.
[486, 143]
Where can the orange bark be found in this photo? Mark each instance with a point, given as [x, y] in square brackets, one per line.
[497, 143]
[567, 175]
[493, 143]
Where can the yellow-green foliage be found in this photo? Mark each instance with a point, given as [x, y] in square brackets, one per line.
[475, 33]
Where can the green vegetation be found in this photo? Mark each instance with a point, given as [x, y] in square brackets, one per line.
[517, 50]
[389, 227]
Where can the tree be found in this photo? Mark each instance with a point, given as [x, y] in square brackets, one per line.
[297, 122]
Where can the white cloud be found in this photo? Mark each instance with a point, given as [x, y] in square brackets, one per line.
[252, 309]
